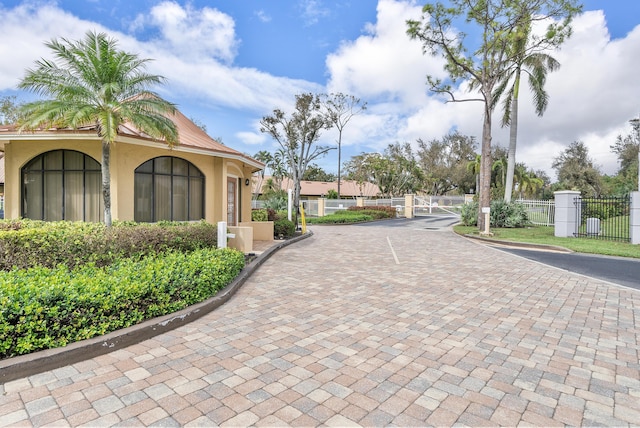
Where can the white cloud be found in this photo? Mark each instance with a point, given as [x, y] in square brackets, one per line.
[263, 16]
[251, 138]
[592, 96]
[192, 33]
[312, 11]
[24, 30]
[193, 49]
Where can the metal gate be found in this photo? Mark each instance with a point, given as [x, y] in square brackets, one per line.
[603, 218]
[437, 205]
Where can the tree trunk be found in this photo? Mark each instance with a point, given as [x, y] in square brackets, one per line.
[106, 182]
[339, 160]
[484, 197]
[513, 138]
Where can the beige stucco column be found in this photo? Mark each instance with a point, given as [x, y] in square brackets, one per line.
[216, 193]
[408, 206]
[321, 202]
[11, 184]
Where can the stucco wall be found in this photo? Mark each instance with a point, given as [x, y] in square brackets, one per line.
[125, 158]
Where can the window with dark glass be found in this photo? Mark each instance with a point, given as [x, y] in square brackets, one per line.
[168, 188]
[62, 185]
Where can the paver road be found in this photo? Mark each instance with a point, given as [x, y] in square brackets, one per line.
[370, 326]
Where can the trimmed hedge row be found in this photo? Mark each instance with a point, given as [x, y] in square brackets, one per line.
[381, 211]
[42, 308]
[340, 217]
[27, 243]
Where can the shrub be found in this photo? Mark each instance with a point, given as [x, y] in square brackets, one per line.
[283, 227]
[25, 243]
[469, 214]
[377, 212]
[42, 308]
[341, 217]
[503, 214]
[259, 215]
[332, 194]
[508, 214]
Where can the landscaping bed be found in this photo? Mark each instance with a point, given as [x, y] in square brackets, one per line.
[64, 282]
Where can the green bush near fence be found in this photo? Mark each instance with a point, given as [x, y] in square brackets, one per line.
[503, 214]
[43, 308]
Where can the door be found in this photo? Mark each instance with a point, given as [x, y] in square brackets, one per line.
[232, 201]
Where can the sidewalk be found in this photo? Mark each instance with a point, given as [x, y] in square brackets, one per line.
[370, 326]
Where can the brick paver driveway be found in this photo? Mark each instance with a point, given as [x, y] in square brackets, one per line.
[370, 326]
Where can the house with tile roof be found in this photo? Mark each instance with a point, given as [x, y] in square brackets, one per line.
[54, 174]
[349, 189]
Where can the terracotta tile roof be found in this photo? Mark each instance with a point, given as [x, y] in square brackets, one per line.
[348, 188]
[189, 135]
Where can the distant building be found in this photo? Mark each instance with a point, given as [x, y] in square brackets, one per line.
[320, 189]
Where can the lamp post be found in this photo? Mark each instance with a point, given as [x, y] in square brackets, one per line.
[636, 126]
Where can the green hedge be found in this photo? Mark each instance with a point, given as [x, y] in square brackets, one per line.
[378, 211]
[43, 308]
[27, 243]
[341, 217]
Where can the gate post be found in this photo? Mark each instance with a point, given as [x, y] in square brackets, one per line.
[566, 221]
[408, 206]
[634, 218]
[321, 204]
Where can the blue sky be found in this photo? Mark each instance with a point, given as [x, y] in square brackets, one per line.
[229, 63]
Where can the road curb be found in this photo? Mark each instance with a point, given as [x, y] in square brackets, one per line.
[518, 244]
[51, 359]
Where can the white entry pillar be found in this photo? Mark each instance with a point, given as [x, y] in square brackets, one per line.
[566, 219]
[634, 218]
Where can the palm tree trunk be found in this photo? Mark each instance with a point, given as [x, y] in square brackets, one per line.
[484, 197]
[513, 137]
[106, 181]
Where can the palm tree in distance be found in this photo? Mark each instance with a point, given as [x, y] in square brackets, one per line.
[92, 83]
[536, 65]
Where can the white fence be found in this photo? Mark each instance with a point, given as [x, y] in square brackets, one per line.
[541, 213]
[427, 205]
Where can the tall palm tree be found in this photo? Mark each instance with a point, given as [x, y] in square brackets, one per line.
[92, 83]
[536, 65]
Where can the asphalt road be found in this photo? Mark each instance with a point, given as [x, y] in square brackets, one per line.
[619, 270]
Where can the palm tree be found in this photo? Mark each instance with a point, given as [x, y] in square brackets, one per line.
[92, 83]
[473, 167]
[536, 65]
[528, 183]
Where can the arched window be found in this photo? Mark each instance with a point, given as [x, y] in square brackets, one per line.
[62, 185]
[168, 188]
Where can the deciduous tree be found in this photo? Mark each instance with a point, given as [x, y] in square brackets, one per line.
[577, 171]
[340, 109]
[484, 59]
[297, 135]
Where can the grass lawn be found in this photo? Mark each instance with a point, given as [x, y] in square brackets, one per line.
[544, 235]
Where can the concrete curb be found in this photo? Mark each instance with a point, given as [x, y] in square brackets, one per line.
[518, 244]
[51, 359]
